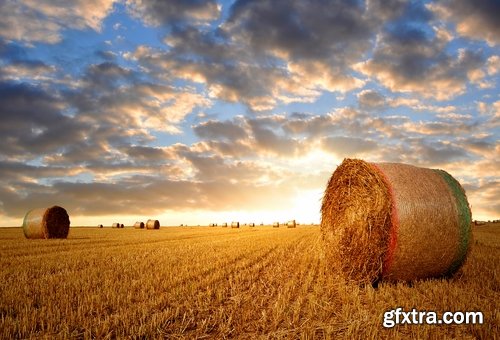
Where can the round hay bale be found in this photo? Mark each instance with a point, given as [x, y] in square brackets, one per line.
[224, 225]
[100, 226]
[394, 222]
[122, 226]
[291, 224]
[153, 224]
[115, 225]
[46, 223]
[235, 224]
[139, 225]
[276, 225]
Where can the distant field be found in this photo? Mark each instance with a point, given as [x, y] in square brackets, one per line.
[195, 282]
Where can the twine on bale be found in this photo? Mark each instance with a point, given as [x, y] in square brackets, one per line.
[46, 223]
[394, 222]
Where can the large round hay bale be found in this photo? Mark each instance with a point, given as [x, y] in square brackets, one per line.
[153, 224]
[139, 225]
[235, 224]
[276, 225]
[46, 223]
[115, 225]
[394, 222]
[291, 224]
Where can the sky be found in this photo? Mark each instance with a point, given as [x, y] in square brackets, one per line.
[200, 112]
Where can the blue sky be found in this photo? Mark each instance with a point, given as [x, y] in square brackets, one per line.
[208, 111]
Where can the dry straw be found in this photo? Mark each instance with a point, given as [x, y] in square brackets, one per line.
[276, 225]
[235, 224]
[46, 223]
[291, 224]
[139, 225]
[394, 222]
[153, 224]
[100, 226]
[115, 225]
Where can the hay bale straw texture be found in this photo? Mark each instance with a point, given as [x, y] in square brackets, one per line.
[153, 224]
[139, 225]
[235, 224]
[394, 222]
[276, 225]
[115, 225]
[46, 223]
[291, 224]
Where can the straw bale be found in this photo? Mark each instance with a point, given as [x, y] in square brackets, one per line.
[139, 225]
[46, 223]
[153, 224]
[394, 222]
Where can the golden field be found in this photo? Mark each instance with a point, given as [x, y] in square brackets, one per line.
[201, 282]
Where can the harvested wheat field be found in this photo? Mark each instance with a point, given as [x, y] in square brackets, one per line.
[246, 283]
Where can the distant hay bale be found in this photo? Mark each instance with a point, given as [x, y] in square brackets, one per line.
[291, 224]
[115, 225]
[100, 226]
[276, 225]
[153, 224]
[139, 225]
[122, 226]
[251, 224]
[394, 222]
[235, 224]
[224, 225]
[46, 223]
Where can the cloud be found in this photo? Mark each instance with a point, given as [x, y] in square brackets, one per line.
[226, 130]
[407, 59]
[173, 12]
[32, 21]
[476, 19]
[349, 147]
[370, 100]
[270, 53]
[32, 122]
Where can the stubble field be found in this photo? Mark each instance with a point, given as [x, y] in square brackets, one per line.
[201, 282]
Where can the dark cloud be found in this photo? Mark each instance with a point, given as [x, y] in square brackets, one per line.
[312, 30]
[226, 130]
[409, 59]
[370, 100]
[32, 122]
[477, 19]
[174, 12]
